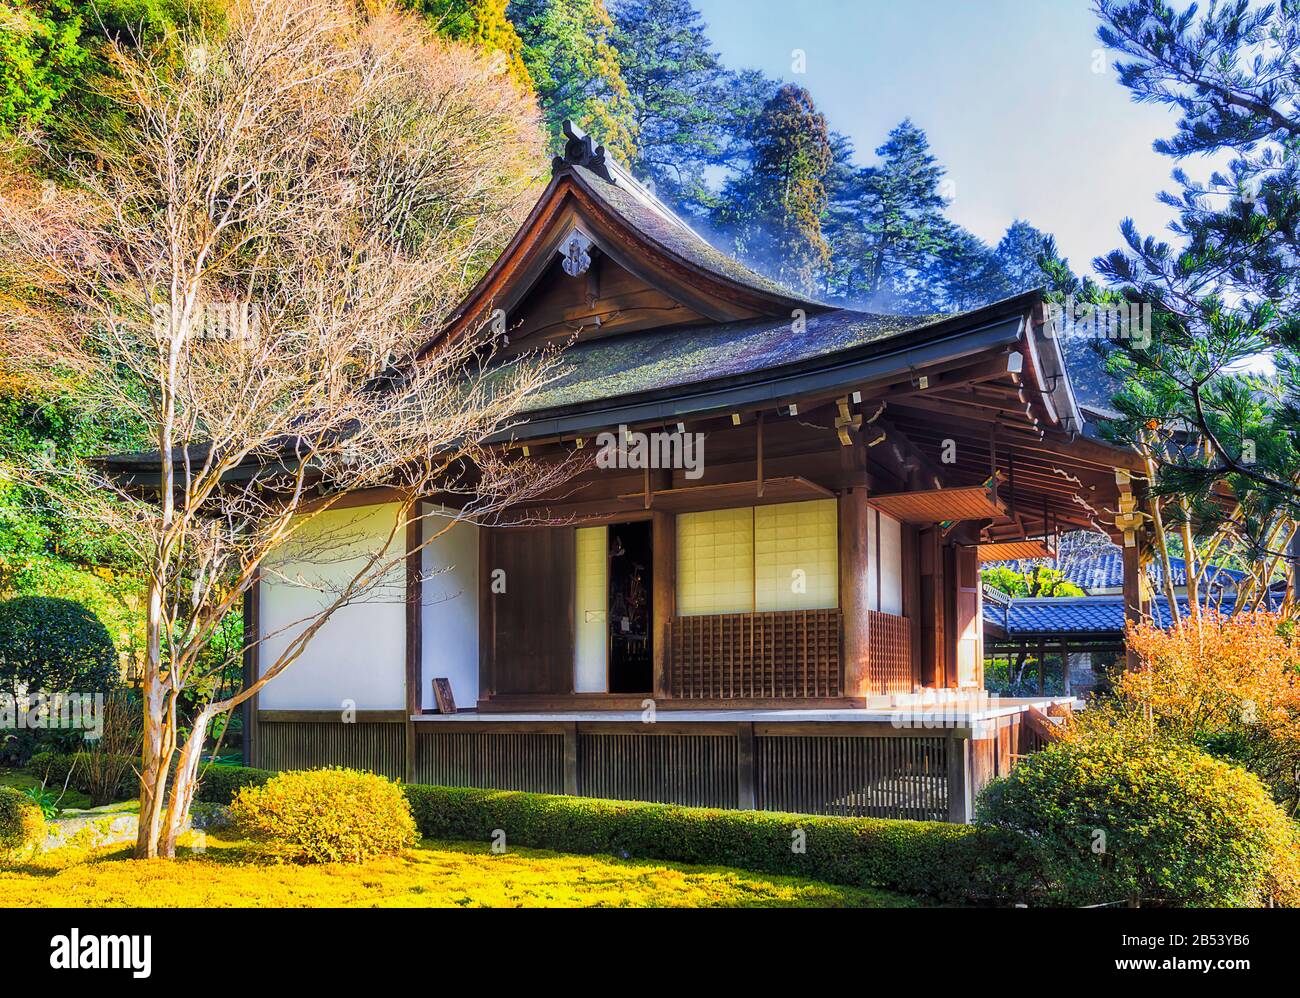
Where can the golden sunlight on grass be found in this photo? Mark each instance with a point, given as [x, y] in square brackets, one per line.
[435, 874]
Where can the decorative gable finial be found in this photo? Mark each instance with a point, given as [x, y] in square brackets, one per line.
[580, 150]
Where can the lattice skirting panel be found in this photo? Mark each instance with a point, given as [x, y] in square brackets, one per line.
[890, 648]
[882, 777]
[497, 760]
[696, 770]
[368, 745]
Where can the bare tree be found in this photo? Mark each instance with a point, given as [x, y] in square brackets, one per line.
[285, 214]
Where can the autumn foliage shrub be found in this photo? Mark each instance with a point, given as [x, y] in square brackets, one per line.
[1220, 672]
[326, 816]
[1122, 819]
[1228, 684]
[21, 823]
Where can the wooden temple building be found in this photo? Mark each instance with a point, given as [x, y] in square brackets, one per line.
[790, 618]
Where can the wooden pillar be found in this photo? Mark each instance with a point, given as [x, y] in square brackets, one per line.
[854, 565]
[663, 600]
[959, 779]
[252, 602]
[911, 564]
[571, 759]
[414, 631]
[933, 608]
[947, 668]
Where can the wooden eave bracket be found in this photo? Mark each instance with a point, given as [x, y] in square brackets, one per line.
[847, 422]
[1129, 519]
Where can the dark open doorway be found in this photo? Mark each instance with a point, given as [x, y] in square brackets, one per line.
[631, 668]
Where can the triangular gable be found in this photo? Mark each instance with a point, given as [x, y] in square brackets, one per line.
[599, 243]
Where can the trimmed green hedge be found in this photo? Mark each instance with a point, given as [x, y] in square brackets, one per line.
[218, 783]
[931, 858]
[940, 860]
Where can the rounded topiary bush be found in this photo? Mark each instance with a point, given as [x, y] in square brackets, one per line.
[326, 815]
[54, 645]
[1121, 819]
[21, 823]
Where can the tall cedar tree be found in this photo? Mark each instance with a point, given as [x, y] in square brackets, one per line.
[774, 213]
[1019, 254]
[571, 59]
[895, 224]
[683, 106]
[1225, 299]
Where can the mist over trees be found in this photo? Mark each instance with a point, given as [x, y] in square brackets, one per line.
[756, 166]
[773, 211]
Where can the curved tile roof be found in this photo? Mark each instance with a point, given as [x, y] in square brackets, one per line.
[1106, 571]
[1087, 615]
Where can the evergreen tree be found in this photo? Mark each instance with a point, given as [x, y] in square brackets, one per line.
[1019, 254]
[774, 212]
[681, 97]
[895, 224]
[569, 52]
[1224, 296]
[963, 273]
[50, 50]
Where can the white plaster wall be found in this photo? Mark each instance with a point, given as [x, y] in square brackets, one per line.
[359, 654]
[449, 637]
[885, 589]
[891, 565]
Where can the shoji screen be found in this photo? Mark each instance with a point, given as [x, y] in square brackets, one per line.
[715, 562]
[796, 565]
[591, 609]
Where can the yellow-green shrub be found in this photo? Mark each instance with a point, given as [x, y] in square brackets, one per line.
[326, 815]
[21, 823]
[1117, 818]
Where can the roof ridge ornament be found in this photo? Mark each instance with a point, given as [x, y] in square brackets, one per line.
[576, 252]
[580, 150]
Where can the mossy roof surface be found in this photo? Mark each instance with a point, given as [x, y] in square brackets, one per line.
[656, 359]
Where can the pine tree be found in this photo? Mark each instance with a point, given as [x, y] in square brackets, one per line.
[774, 212]
[1223, 294]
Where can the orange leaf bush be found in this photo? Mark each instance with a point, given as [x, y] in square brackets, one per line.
[1228, 684]
[1223, 672]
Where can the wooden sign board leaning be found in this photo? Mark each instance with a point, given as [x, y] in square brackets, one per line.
[442, 696]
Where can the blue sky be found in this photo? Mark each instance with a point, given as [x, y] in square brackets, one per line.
[1007, 91]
